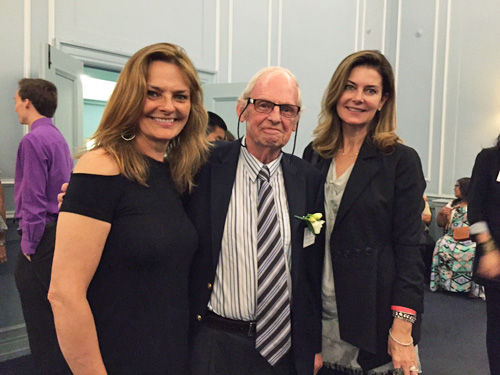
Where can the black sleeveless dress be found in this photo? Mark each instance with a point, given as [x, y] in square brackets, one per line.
[139, 293]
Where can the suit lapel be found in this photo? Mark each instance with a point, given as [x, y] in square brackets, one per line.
[363, 171]
[223, 174]
[295, 186]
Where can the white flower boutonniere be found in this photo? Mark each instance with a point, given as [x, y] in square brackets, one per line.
[313, 222]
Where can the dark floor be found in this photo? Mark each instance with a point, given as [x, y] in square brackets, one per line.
[453, 335]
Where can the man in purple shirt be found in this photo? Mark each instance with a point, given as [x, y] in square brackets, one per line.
[43, 164]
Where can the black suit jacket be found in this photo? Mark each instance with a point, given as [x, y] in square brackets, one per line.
[375, 246]
[207, 207]
[483, 200]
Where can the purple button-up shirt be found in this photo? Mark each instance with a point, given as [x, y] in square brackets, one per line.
[43, 164]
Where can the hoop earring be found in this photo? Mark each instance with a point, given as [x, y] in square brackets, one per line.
[128, 139]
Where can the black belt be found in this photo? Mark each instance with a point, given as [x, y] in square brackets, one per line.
[238, 326]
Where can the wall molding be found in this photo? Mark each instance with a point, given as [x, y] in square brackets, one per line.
[51, 18]
[445, 101]
[433, 92]
[93, 56]
[280, 31]
[269, 30]
[13, 342]
[230, 43]
[356, 27]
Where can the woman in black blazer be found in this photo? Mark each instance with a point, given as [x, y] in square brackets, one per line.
[374, 274]
[484, 217]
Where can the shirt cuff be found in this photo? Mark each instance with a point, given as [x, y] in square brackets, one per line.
[28, 248]
[479, 227]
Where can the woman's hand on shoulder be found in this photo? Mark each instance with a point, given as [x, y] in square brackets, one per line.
[98, 162]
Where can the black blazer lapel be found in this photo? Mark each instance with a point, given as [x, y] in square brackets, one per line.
[223, 174]
[323, 165]
[363, 171]
[295, 186]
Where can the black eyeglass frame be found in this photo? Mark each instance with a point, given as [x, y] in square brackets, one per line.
[250, 100]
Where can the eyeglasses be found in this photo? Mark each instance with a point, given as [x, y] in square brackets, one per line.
[265, 106]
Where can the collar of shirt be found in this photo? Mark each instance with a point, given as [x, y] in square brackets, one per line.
[254, 165]
[40, 122]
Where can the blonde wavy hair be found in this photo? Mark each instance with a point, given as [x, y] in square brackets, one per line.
[382, 129]
[186, 152]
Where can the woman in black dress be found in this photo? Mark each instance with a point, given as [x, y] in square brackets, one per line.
[119, 287]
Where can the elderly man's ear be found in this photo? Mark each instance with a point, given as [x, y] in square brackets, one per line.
[239, 109]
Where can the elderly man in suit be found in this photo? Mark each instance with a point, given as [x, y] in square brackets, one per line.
[256, 281]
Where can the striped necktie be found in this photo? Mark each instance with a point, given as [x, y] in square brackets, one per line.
[273, 303]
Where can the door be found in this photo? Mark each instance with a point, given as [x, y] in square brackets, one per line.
[65, 71]
[221, 98]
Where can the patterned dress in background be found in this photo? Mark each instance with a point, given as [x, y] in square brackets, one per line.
[452, 260]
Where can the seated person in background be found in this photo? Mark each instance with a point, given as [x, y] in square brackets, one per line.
[454, 253]
[229, 136]
[216, 130]
[426, 213]
[428, 241]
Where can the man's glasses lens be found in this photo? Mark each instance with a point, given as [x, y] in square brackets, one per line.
[264, 106]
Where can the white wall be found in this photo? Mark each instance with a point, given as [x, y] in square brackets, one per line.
[443, 52]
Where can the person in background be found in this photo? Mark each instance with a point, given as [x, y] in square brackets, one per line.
[373, 271]
[454, 253]
[484, 217]
[216, 130]
[3, 226]
[427, 240]
[43, 163]
[124, 245]
[426, 213]
[255, 282]
[229, 136]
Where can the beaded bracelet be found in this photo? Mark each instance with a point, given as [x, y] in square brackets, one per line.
[404, 316]
[399, 342]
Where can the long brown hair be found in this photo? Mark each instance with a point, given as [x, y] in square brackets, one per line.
[186, 152]
[328, 134]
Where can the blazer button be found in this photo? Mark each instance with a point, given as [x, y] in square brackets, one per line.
[198, 317]
[209, 286]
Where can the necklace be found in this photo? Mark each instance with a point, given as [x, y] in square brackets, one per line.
[341, 150]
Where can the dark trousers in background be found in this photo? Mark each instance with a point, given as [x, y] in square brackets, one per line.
[493, 328]
[32, 281]
[218, 352]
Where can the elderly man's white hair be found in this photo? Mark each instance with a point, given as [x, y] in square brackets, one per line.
[245, 95]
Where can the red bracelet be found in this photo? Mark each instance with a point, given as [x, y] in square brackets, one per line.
[403, 309]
